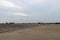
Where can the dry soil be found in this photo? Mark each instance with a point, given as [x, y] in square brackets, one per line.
[41, 32]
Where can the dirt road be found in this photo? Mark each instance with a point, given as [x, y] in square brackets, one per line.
[43, 32]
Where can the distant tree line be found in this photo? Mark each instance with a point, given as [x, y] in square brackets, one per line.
[39, 23]
[9, 23]
[48, 23]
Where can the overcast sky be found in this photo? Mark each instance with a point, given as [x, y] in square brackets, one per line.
[25, 11]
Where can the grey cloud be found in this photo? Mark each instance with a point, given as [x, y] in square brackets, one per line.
[45, 11]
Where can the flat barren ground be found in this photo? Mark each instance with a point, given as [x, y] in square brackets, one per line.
[41, 32]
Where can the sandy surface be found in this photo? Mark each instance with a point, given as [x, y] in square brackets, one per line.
[43, 32]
